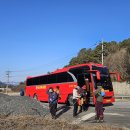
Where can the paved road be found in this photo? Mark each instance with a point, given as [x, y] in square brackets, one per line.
[117, 114]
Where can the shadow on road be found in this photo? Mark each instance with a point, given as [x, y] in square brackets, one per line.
[107, 105]
[62, 110]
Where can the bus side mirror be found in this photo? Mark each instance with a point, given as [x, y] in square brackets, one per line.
[117, 75]
[98, 75]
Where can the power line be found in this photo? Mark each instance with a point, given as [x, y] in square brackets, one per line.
[8, 73]
[50, 63]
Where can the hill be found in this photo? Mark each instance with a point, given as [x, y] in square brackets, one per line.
[116, 56]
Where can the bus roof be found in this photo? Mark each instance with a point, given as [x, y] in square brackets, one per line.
[76, 66]
[65, 69]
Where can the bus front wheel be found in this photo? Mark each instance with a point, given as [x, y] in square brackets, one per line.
[70, 100]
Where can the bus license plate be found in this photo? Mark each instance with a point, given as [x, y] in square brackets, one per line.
[108, 100]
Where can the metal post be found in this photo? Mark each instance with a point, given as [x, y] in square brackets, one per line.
[8, 76]
[102, 52]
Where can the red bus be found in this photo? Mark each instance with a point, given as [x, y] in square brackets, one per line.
[69, 77]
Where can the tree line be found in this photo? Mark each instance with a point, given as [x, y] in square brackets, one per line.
[116, 56]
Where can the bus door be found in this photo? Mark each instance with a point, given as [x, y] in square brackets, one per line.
[94, 75]
[89, 88]
[80, 79]
[85, 79]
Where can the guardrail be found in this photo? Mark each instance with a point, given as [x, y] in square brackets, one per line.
[122, 97]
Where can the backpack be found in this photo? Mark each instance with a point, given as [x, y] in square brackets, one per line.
[21, 93]
[102, 93]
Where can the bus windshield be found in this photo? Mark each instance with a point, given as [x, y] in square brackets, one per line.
[105, 78]
[103, 70]
[105, 82]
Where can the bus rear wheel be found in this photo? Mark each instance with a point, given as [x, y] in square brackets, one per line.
[70, 100]
[35, 97]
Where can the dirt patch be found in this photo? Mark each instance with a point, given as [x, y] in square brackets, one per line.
[44, 123]
[34, 123]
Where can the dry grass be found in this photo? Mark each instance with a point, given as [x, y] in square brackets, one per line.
[40, 123]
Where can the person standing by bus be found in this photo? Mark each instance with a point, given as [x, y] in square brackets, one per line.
[52, 99]
[81, 100]
[99, 104]
[21, 92]
[57, 90]
[76, 96]
[84, 96]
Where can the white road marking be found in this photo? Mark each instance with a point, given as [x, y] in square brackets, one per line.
[114, 114]
[90, 115]
[84, 118]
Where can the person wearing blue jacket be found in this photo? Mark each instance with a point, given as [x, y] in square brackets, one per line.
[52, 100]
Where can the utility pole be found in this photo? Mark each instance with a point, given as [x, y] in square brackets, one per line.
[8, 77]
[102, 52]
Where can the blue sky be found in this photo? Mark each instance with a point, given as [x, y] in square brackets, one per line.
[37, 36]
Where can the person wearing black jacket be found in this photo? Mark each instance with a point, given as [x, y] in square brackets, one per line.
[52, 99]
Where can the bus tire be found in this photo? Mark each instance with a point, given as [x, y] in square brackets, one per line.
[70, 100]
[35, 97]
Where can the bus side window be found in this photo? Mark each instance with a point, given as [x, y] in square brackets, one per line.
[52, 79]
[43, 79]
[62, 77]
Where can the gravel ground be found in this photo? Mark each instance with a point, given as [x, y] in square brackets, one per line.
[17, 105]
[4, 98]
[24, 113]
